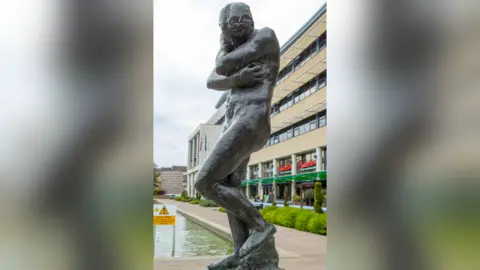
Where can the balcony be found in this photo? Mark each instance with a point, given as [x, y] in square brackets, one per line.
[315, 65]
[302, 143]
[306, 107]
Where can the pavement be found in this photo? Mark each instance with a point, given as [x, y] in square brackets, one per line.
[297, 250]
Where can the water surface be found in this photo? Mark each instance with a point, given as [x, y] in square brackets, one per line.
[190, 240]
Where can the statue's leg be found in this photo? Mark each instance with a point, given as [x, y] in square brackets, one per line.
[230, 152]
[240, 231]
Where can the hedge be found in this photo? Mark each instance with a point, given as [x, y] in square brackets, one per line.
[207, 203]
[300, 219]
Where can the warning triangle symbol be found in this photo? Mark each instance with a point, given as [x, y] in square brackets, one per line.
[164, 211]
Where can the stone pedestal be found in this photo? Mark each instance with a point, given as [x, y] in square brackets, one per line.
[265, 257]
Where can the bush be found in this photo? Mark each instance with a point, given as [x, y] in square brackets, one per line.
[268, 209]
[297, 198]
[198, 197]
[178, 199]
[274, 203]
[317, 205]
[301, 222]
[269, 213]
[222, 210]
[286, 217]
[208, 203]
[194, 202]
[318, 224]
[300, 219]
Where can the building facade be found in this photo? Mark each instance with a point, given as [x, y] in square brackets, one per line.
[172, 179]
[296, 154]
[200, 144]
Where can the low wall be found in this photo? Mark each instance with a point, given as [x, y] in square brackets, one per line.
[217, 229]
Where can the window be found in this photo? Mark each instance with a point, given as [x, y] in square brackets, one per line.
[307, 127]
[285, 72]
[296, 131]
[313, 124]
[290, 100]
[289, 133]
[302, 95]
[301, 129]
[322, 121]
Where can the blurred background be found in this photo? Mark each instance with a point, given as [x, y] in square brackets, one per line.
[77, 142]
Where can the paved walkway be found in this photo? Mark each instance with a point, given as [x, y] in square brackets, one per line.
[298, 250]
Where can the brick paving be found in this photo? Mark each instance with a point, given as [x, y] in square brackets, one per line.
[308, 249]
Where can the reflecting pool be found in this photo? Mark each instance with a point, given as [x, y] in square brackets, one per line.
[190, 240]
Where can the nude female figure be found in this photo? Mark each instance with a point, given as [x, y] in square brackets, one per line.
[247, 65]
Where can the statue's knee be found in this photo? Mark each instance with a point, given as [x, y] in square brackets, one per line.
[199, 185]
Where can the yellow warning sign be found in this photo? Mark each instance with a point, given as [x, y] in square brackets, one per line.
[164, 211]
[164, 220]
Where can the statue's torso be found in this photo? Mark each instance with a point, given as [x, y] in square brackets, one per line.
[258, 93]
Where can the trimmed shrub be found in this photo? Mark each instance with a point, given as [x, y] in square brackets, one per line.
[317, 205]
[270, 217]
[207, 203]
[285, 197]
[286, 217]
[318, 224]
[274, 203]
[194, 202]
[297, 198]
[178, 199]
[267, 209]
[198, 197]
[301, 222]
[222, 210]
[300, 219]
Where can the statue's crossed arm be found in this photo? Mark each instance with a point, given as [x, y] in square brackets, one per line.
[263, 43]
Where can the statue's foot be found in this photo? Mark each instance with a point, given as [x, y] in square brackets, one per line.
[256, 238]
[225, 263]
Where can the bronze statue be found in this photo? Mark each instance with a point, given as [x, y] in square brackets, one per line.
[247, 65]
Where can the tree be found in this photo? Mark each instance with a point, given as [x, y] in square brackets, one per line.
[285, 196]
[317, 205]
[157, 180]
[302, 195]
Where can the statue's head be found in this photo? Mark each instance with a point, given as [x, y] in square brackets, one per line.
[236, 21]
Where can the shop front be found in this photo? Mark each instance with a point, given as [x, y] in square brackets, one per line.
[284, 171]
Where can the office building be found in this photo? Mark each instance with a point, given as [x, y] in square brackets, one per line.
[172, 179]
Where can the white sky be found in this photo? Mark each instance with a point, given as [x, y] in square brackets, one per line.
[186, 42]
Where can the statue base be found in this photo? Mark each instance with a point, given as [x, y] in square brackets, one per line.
[265, 257]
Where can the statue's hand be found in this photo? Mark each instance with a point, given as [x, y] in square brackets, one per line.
[252, 73]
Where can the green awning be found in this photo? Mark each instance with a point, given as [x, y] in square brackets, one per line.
[283, 179]
[302, 177]
[254, 181]
[322, 175]
[266, 181]
[250, 182]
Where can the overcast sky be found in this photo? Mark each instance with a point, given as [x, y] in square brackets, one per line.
[186, 43]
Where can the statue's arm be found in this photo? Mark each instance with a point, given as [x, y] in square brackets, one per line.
[220, 82]
[264, 42]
